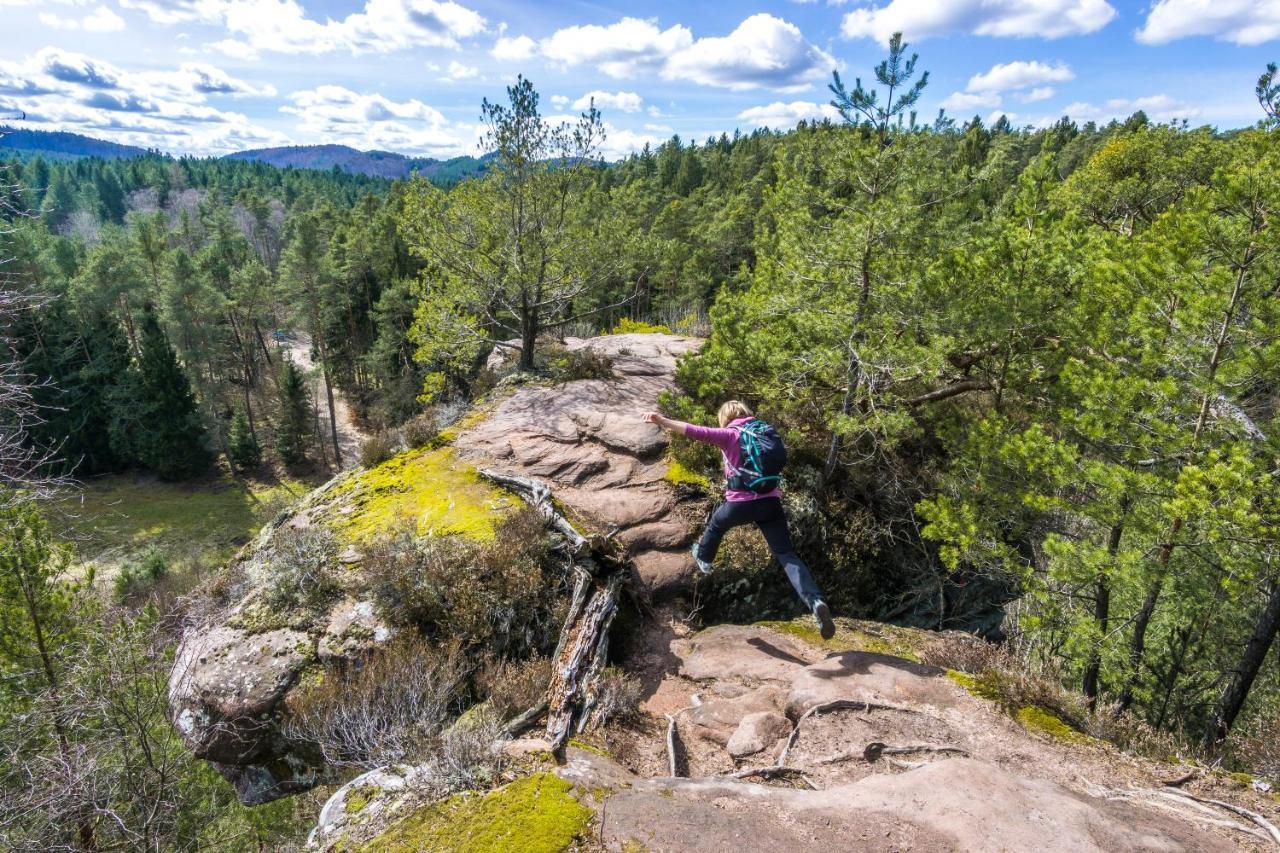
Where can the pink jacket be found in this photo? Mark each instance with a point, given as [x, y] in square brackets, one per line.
[726, 438]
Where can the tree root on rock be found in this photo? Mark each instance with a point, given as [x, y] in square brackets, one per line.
[775, 771]
[874, 750]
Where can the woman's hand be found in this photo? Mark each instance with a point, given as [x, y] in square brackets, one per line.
[663, 422]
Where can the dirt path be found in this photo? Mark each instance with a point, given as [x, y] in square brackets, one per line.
[297, 345]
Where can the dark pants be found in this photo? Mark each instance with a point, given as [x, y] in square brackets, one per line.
[768, 515]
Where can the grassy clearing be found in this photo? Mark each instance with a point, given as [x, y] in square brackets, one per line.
[114, 519]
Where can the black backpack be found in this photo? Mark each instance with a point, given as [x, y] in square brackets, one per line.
[763, 456]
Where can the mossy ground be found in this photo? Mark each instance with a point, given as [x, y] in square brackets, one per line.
[113, 519]
[855, 636]
[678, 475]
[535, 814]
[1043, 722]
[427, 487]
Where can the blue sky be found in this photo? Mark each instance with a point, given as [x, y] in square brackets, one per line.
[212, 76]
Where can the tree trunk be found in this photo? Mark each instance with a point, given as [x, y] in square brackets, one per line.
[1242, 677]
[528, 339]
[1102, 612]
[318, 340]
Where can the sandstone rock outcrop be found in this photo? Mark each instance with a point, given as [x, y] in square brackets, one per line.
[584, 437]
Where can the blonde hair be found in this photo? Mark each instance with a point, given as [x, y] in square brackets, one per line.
[731, 410]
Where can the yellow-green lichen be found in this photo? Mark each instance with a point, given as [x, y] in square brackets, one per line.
[357, 798]
[428, 488]
[853, 636]
[1039, 720]
[678, 475]
[627, 326]
[536, 814]
[981, 685]
[587, 747]
[633, 846]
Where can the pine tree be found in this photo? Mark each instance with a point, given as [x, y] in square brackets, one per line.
[171, 436]
[242, 444]
[295, 416]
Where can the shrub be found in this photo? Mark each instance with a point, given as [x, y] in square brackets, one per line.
[420, 430]
[299, 570]
[639, 327]
[136, 579]
[378, 447]
[499, 593]
[565, 365]
[513, 686]
[386, 710]
[964, 653]
[482, 383]
[617, 697]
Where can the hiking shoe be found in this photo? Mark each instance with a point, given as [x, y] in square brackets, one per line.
[822, 613]
[703, 565]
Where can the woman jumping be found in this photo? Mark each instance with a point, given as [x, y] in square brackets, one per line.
[745, 506]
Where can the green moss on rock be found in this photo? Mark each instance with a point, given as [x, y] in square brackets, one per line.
[678, 475]
[536, 814]
[982, 685]
[427, 487]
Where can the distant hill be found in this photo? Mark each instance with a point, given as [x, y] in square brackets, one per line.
[59, 145]
[385, 164]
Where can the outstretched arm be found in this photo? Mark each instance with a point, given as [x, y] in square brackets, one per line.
[717, 436]
[665, 423]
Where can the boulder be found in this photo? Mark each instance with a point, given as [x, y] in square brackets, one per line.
[717, 720]
[757, 732]
[749, 652]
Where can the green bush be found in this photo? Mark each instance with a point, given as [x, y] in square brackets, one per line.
[565, 365]
[378, 448]
[242, 445]
[137, 578]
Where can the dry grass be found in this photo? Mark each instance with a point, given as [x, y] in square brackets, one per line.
[386, 710]
[617, 698]
[513, 686]
[500, 594]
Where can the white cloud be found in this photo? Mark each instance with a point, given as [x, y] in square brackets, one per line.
[624, 49]
[781, 116]
[627, 102]
[962, 102]
[984, 90]
[763, 52]
[371, 121]
[62, 90]
[1159, 108]
[1040, 93]
[918, 19]
[282, 26]
[1240, 21]
[618, 143]
[659, 128]
[1019, 75]
[514, 49]
[100, 20]
[560, 102]
[458, 71]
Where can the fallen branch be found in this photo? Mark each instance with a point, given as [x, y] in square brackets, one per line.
[1258, 819]
[525, 720]
[584, 638]
[672, 734]
[538, 495]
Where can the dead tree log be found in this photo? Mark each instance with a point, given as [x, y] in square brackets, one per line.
[583, 647]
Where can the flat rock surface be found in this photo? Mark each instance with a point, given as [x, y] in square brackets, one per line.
[962, 804]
